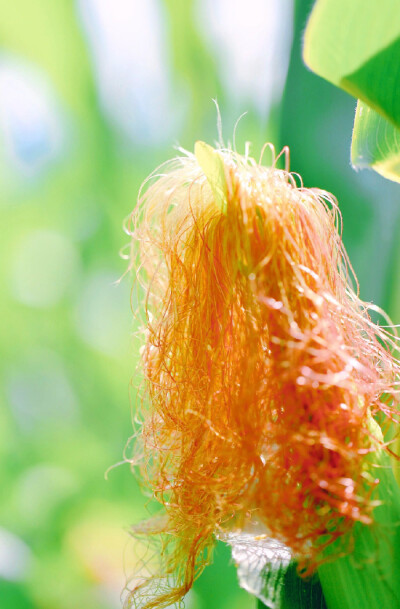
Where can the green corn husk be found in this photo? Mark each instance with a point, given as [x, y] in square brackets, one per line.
[369, 577]
[297, 593]
[366, 578]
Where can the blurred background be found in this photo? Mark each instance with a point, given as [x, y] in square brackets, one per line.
[95, 94]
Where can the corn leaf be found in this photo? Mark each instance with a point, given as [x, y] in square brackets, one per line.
[296, 592]
[355, 44]
[375, 143]
[369, 577]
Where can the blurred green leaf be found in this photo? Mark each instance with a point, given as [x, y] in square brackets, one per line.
[375, 143]
[356, 45]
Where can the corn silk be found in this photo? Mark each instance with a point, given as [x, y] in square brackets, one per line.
[262, 367]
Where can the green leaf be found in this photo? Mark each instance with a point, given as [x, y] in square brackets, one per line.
[355, 44]
[267, 569]
[211, 163]
[375, 143]
[365, 578]
[296, 592]
[368, 578]
[262, 564]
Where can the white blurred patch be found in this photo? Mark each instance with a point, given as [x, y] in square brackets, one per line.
[40, 392]
[103, 317]
[15, 557]
[252, 40]
[131, 61]
[43, 488]
[110, 594]
[44, 267]
[31, 122]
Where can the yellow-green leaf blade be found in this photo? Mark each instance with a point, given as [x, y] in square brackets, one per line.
[355, 44]
[375, 143]
[212, 164]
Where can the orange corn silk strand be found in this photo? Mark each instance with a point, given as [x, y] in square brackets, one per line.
[262, 366]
